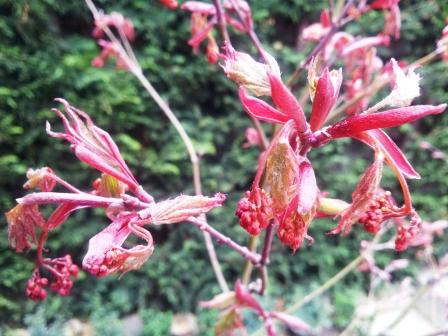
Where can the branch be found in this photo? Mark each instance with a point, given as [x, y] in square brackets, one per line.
[247, 254]
[267, 245]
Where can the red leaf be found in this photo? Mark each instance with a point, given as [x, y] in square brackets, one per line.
[361, 196]
[392, 152]
[325, 19]
[60, 214]
[287, 103]
[261, 110]
[327, 92]
[396, 117]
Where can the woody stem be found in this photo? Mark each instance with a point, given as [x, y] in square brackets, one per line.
[266, 251]
[249, 255]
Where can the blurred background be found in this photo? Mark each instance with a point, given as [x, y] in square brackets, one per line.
[45, 52]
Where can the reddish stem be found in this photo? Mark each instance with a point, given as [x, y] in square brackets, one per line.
[253, 257]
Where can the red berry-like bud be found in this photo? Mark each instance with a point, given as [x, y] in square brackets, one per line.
[293, 226]
[379, 209]
[254, 211]
[74, 270]
[405, 234]
[43, 282]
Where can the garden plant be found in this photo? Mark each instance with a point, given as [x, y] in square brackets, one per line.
[340, 93]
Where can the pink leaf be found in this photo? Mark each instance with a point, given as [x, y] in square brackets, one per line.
[307, 188]
[293, 322]
[245, 298]
[198, 7]
[103, 242]
[60, 214]
[181, 208]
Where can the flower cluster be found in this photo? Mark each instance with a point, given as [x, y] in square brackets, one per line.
[128, 213]
[289, 196]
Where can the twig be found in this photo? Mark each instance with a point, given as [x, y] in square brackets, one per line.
[221, 21]
[267, 245]
[327, 285]
[135, 68]
[253, 257]
[248, 267]
[250, 30]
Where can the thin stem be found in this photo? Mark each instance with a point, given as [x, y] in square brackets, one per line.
[327, 285]
[221, 21]
[253, 257]
[267, 244]
[40, 246]
[65, 184]
[250, 30]
[248, 267]
[195, 165]
[135, 68]
[266, 251]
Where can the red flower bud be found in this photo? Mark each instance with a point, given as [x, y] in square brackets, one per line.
[254, 211]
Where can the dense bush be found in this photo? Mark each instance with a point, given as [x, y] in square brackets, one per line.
[45, 52]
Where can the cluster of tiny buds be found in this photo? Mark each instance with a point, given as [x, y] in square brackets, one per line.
[62, 269]
[254, 211]
[112, 261]
[405, 234]
[380, 206]
[35, 288]
[65, 270]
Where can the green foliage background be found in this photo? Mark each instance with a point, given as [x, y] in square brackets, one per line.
[45, 52]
